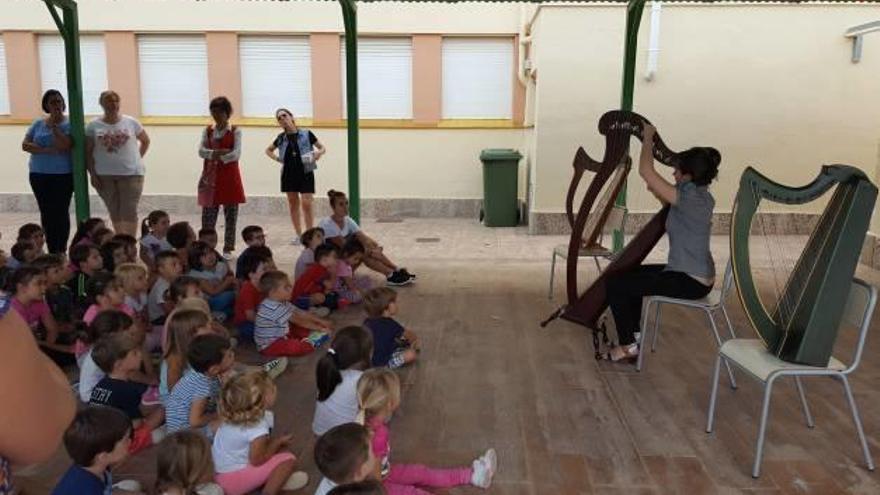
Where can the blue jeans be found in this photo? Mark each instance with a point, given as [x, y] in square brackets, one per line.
[246, 331]
[223, 302]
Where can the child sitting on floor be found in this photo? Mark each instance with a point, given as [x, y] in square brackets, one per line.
[28, 288]
[169, 268]
[96, 441]
[154, 228]
[337, 374]
[119, 356]
[192, 403]
[253, 236]
[393, 345]
[129, 247]
[184, 466]
[59, 297]
[113, 254]
[254, 263]
[183, 326]
[85, 231]
[348, 286]
[86, 260]
[135, 283]
[23, 252]
[105, 293]
[379, 396]
[310, 239]
[214, 278]
[315, 286]
[102, 236]
[105, 324]
[33, 233]
[344, 455]
[281, 329]
[246, 456]
[181, 236]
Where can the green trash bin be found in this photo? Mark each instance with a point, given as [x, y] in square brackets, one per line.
[500, 174]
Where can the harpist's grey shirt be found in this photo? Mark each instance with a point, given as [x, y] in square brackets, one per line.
[689, 226]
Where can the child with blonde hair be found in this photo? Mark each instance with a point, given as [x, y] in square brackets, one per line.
[246, 456]
[134, 279]
[379, 397]
[184, 466]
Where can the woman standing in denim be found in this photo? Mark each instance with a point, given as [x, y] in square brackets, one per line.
[51, 169]
[298, 151]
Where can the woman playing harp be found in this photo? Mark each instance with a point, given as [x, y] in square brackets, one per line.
[689, 272]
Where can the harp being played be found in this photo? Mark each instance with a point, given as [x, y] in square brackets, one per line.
[617, 126]
[801, 326]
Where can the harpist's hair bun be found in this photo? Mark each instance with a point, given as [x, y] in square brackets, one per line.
[701, 163]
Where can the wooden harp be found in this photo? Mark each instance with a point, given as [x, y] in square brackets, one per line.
[617, 126]
[802, 325]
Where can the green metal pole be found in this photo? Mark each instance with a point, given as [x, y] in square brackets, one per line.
[69, 29]
[349, 17]
[633, 19]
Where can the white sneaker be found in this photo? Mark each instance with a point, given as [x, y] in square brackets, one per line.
[228, 256]
[484, 469]
[295, 241]
[319, 311]
[129, 486]
[275, 367]
[296, 481]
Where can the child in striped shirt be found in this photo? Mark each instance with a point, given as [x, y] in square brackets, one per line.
[281, 329]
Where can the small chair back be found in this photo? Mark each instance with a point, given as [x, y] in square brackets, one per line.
[727, 281]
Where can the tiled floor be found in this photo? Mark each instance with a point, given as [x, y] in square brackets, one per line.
[563, 423]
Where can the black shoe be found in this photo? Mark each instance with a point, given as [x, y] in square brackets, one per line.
[408, 274]
[397, 278]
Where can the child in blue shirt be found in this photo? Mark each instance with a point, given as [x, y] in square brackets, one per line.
[97, 440]
[393, 345]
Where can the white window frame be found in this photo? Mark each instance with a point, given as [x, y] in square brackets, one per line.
[173, 75]
[384, 78]
[276, 71]
[93, 60]
[477, 78]
[4, 80]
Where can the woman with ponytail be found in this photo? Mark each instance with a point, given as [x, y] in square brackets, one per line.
[337, 375]
[689, 272]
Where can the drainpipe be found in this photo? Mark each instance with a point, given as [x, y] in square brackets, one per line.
[654, 40]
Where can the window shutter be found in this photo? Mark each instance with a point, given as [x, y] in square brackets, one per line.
[384, 78]
[174, 75]
[93, 67]
[477, 78]
[275, 72]
[4, 84]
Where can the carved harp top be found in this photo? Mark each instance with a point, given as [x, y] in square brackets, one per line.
[802, 325]
[610, 174]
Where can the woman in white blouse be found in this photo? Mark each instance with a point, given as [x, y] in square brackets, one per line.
[115, 147]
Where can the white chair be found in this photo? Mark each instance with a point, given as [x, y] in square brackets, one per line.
[616, 220]
[711, 303]
[752, 356]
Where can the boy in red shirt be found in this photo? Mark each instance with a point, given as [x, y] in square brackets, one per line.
[254, 263]
[315, 286]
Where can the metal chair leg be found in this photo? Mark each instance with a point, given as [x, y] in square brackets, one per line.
[806, 407]
[598, 266]
[552, 275]
[858, 421]
[762, 429]
[710, 419]
[656, 326]
[727, 319]
[643, 335]
[718, 341]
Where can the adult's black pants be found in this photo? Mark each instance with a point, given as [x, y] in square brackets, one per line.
[53, 193]
[626, 290]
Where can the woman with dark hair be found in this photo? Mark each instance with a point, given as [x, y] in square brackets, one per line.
[220, 183]
[689, 272]
[51, 169]
[115, 148]
[340, 228]
[299, 151]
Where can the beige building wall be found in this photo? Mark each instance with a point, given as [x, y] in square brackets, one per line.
[770, 86]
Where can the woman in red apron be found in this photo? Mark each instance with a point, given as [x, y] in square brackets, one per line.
[220, 184]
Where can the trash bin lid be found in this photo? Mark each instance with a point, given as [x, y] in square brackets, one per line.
[499, 154]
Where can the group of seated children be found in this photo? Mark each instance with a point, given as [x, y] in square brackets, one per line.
[151, 332]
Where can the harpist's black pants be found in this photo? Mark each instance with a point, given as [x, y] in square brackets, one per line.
[626, 290]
